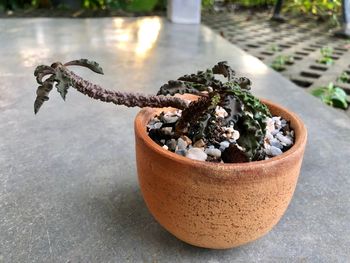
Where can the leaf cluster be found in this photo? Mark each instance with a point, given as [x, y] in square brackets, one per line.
[245, 112]
[280, 62]
[344, 77]
[332, 95]
[198, 120]
[326, 53]
[56, 77]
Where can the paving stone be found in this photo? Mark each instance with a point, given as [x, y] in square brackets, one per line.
[300, 37]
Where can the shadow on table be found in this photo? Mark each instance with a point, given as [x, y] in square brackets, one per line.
[125, 223]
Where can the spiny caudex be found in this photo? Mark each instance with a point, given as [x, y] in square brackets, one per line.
[198, 120]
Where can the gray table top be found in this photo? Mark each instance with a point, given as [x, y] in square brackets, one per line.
[68, 184]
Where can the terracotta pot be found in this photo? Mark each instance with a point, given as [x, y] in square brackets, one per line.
[217, 205]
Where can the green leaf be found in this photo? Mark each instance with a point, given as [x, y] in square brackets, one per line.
[251, 137]
[92, 65]
[42, 93]
[344, 77]
[318, 92]
[332, 95]
[62, 85]
[180, 87]
[42, 71]
[224, 69]
[339, 103]
[339, 92]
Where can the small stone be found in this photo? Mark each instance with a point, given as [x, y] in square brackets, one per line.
[235, 135]
[273, 151]
[270, 125]
[181, 152]
[181, 144]
[186, 139]
[170, 119]
[178, 113]
[167, 130]
[221, 112]
[171, 144]
[268, 136]
[157, 125]
[274, 132]
[199, 144]
[278, 123]
[284, 139]
[224, 145]
[276, 143]
[162, 141]
[196, 154]
[165, 147]
[213, 152]
[229, 129]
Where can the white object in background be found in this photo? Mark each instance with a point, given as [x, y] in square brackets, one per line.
[184, 11]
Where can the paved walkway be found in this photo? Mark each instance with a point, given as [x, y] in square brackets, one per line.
[68, 183]
[300, 37]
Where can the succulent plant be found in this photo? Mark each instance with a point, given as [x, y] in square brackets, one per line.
[198, 120]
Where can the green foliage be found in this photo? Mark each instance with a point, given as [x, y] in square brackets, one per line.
[14, 4]
[253, 3]
[326, 9]
[128, 5]
[274, 48]
[140, 5]
[281, 61]
[326, 53]
[198, 120]
[344, 77]
[321, 8]
[62, 81]
[245, 111]
[332, 95]
[207, 4]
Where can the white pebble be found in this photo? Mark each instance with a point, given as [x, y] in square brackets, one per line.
[235, 135]
[181, 144]
[196, 154]
[270, 125]
[286, 141]
[157, 125]
[213, 152]
[273, 151]
[220, 112]
[170, 119]
[165, 147]
[224, 145]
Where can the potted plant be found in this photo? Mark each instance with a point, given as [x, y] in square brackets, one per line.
[217, 169]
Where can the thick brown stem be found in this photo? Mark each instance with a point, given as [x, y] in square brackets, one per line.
[121, 98]
[192, 113]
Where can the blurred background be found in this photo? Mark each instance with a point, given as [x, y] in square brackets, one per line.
[306, 41]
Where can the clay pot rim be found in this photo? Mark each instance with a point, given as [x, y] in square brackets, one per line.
[296, 122]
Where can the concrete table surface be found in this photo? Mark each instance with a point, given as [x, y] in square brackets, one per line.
[68, 183]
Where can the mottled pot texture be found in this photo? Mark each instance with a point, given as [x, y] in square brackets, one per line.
[217, 205]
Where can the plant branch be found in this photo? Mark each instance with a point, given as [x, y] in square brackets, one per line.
[64, 78]
[127, 99]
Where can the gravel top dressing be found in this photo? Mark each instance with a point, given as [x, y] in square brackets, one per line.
[279, 138]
